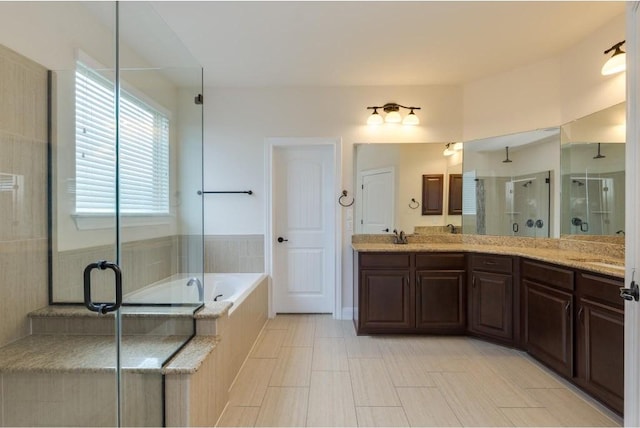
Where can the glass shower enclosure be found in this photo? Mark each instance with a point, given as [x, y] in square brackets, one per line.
[126, 238]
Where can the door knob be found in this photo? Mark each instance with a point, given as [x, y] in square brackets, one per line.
[385, 230]
[281, 239]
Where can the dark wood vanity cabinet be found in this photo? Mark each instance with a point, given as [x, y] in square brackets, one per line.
[386, 293]
[440, 293]
[492, 297]
[411, 293]
[600, 338]
[548, 314]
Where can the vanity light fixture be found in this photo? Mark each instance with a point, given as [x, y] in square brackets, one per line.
[456, 146]
[449, 149]
[617, 62]
[392, 115]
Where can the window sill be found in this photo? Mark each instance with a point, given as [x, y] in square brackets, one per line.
[108, 221]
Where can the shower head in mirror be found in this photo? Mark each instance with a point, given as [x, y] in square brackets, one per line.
[599, 155]
[507, 160]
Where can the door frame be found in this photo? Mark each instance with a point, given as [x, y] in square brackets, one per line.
[632, 222]
[271, 143]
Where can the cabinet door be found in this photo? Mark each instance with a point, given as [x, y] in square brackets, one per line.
[386, 300]
[492, 305]
[549, 326]
[600, 351]
[440, 301]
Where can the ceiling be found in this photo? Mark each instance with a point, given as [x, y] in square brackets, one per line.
[360, 43]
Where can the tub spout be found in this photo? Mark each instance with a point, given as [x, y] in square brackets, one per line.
[198, 283]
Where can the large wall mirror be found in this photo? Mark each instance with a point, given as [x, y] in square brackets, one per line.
[509, 182]
[389, 186]
[593, 169]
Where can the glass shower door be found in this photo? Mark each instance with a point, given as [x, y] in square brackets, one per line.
[126, 217]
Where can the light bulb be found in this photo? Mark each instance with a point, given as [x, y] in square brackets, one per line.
[411, 119]
[393, 117]
[457, 146]
[615, 64]
[375, 119]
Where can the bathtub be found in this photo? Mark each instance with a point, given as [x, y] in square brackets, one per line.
[234, 287]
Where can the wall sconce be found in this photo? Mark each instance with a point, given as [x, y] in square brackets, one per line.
[451, 149]
[392, 111]
[617, 62]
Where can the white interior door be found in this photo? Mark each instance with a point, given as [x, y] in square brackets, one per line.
[304, 229]
[377, 201]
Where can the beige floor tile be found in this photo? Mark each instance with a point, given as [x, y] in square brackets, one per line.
[284, 407]
[293, 367]
[348, 328]
[251, 383]
[470, 403]
[530, 417]
[331, 400]
[268, 344]
[569, 409]
[326, 326]
[502, 392]
[427, 407]
[363, 347]
[280, 322]
[239, 417]
[407, 371]
[381, 417]
[371, 383]
[330, 353]
[300, 333]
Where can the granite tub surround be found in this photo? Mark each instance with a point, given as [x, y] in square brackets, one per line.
[605, 258]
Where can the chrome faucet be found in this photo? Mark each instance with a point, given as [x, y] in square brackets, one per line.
[399, 238]
[197, 282]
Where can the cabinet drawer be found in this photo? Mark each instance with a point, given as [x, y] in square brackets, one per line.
[600, 288]
[385, 260]
[440, 261]
[548, 274]
[492, 263]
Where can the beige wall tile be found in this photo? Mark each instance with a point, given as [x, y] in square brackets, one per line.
[142, 403]
[371, 383]
[381, 417]
[284, 407]
[427, 407]
[239, 417]
[331, 400]
[177, 400]
[293, 367]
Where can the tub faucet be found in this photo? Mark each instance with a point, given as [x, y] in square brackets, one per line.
[197, 282]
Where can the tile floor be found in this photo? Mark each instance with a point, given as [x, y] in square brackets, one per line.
[311, 370]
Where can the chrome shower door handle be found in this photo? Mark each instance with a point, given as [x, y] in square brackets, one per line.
[102, 308]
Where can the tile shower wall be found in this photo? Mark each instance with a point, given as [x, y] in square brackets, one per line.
[143, 262]
[23, 192]
[234, 253]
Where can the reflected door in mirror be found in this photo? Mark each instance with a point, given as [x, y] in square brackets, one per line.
[455, 194]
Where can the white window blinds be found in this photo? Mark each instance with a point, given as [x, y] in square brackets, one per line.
[144, 150]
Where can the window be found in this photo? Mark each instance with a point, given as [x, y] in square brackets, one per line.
[144, 150]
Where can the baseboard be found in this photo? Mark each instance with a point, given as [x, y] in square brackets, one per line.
[347, 313]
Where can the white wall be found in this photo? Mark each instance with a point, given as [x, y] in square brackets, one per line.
[547, 93]
[237, 121]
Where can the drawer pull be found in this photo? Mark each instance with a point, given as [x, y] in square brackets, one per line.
[580, 314]
[566, 308]
[473, 282]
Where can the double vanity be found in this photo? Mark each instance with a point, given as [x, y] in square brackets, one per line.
[559, 303]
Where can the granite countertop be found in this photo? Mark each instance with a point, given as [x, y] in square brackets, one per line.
[88, 354]
[191, 357]
[612, 266]
[80, 311]
[213, 310]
